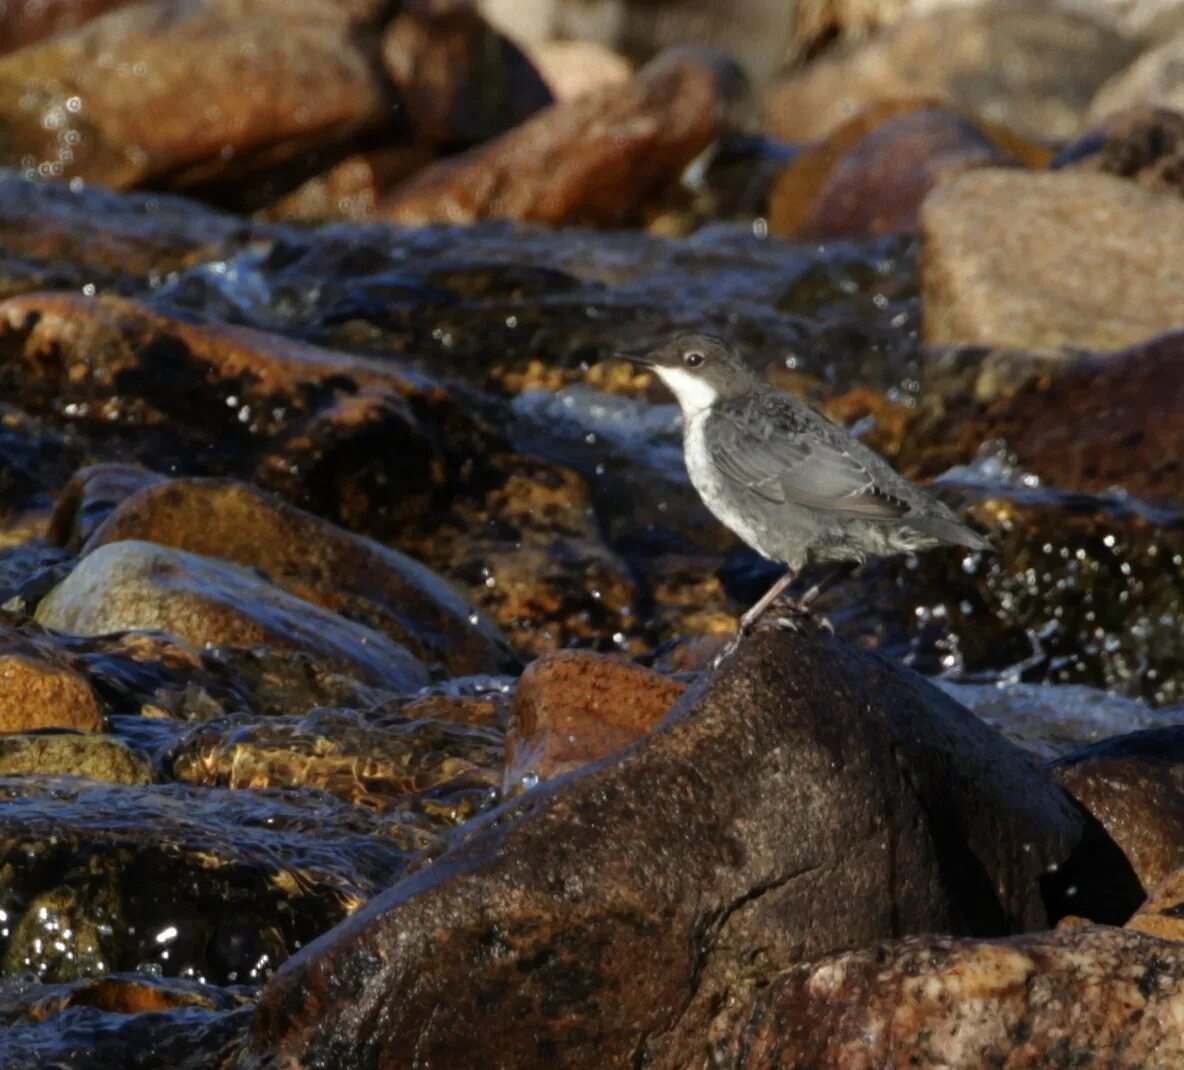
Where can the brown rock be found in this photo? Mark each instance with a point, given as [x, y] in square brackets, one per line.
[1163, 913]
[594, 160]
[1134, 786]
[382, 761]
[137, 585]
[877, 185]
[1042, 261]
[1031, 67]
[24, 21]
[459, 79]
[99, 102]
[605, 917]
[1083, 996]
[316, 561]
[573, 708]
[94, 757]
[349, 438]
[1104, 422]
[352, 188]
[38, 690]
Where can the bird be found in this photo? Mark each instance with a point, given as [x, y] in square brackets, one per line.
[794, 486]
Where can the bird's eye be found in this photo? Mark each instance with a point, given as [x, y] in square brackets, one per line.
[693, 359]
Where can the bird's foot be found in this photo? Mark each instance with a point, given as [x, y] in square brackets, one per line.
[799, 621]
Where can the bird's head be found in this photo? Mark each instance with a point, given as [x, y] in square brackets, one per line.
[698, 369]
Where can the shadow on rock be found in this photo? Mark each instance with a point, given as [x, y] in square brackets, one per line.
[806, 798]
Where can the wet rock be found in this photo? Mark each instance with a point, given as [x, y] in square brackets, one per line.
[460, 80]
[91, 496]
[91, 757]
[1143, 143]
[183, 881]
[572, 708]
[310, 80]
[1033, 68]
[136, 1023]
[595, 160]
[41, 688]
[181, 396]
[1097, 424]
[73, 238]
[24, 21]
[1053, 721]
[316, 561]
[133, 584]
[1089, 270]
[1163, 913]
[530, 553]
[1134, 785]
[1082, 996]
[1081, 590]
[1153, 79]
[876, 186]
[29, 571]
[385, 761]
[601, 917]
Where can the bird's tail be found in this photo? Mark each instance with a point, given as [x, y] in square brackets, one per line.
[951, 532]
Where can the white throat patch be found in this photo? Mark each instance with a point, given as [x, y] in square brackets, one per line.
[693, 393]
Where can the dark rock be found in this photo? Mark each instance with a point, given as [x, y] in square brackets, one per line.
[600, 919]
[134, 1023]
[90, 497]
[1033, 68]
[446, 772]
[595, 160]
[877, 185]
[459, 79]
[1142, 143]
[75, 238]
[574, 708]
[138, 585]
[312, 79]
[196, 882]
[1078, 997]
[1134, 786]
[1080, 590]
[316, 561]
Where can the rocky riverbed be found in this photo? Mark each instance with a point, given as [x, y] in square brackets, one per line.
[359, 703]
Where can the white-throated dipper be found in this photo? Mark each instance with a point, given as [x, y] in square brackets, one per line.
[794, 486]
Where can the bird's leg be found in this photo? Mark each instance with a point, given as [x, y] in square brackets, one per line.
[748, 621]
[844, 570]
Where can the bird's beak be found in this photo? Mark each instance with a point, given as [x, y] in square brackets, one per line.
[635, 356]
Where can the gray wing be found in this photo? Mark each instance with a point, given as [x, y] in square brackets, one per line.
[785, 457]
